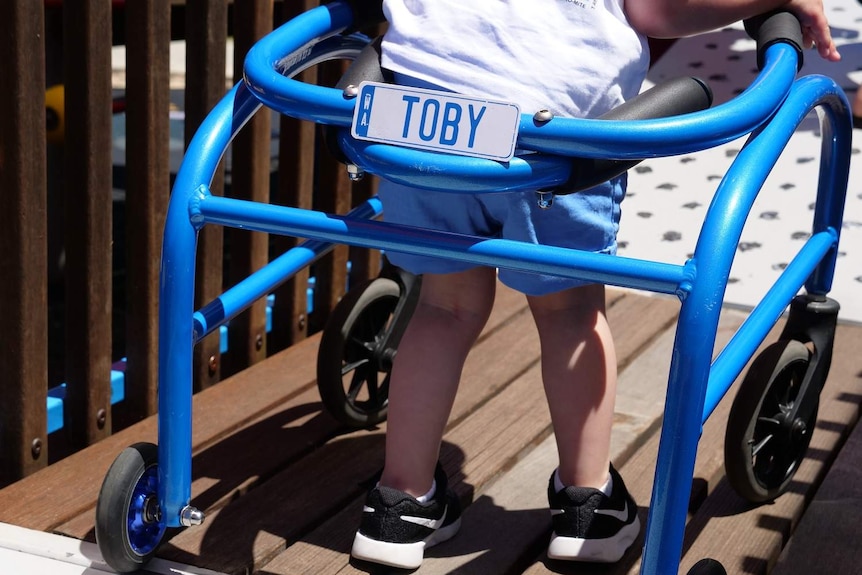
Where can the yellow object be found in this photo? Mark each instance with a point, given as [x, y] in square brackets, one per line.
[55, 109]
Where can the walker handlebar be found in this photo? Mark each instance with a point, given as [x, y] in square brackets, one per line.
[647, 127]
[772, 27]
[671, 98]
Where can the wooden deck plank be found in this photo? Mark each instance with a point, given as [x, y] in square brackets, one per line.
[197, 545]
[480, 447]
[723, 526]
[749, 539]
[507, 526]
[346, 462]
[280, 427]
[473, 453]
[70, 487]
[261, 439]
[639, 470]
[222, 412]
[822, 542]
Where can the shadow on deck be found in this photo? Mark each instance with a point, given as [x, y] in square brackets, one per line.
[282, 484]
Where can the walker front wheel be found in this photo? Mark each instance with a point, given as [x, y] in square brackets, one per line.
[763, 447]
[128, 523]
[353, 365]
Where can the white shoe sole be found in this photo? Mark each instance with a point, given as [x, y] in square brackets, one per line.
[401, 555]
[608, 550]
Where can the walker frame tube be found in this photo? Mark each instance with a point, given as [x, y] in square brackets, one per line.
[260, 283]
[691, 377]
[176, 288]
[813, 260]
[700, 283]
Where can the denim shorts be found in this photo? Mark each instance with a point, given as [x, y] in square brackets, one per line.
[586, 220]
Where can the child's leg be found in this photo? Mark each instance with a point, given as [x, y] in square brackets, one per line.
[452, 311]
[579, 373]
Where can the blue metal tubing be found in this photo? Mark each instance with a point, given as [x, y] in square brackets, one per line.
[287, 45]
[690, 376]
[176, 298]
[816, 259]
[219, 311]
[561, 136]
[192, 207]
[732, 359]
[615, 270]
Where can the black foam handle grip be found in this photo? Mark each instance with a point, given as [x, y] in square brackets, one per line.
[672, 98]
[366, 67]
[366, 13]
[772, 27]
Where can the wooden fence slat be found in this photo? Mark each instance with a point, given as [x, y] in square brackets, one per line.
[250, 175]
[147, 192]
[87, 73]
[333, 194]
[295, 188]
[364, 263]
[206, 37]
[23, 256]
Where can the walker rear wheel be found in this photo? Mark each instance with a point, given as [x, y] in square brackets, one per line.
[763, 447]
[353, 364]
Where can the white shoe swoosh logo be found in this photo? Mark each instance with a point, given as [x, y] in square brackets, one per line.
[620, 515]
[426, 522]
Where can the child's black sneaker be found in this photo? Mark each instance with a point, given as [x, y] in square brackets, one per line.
[591, 526]
[396, 528]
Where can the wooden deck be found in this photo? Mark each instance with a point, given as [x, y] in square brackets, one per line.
[283, 484]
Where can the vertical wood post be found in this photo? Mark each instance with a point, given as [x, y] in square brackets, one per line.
[147, 192]
[251, 166]
[87, 67]
[23, 257]
[206, 36]
[333, 194]
[295, 188]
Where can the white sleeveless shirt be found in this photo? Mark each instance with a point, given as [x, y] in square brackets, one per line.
[577, 58]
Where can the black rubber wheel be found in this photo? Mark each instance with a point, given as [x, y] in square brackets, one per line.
[707, 567]
[128, 526]
[762, 450]
[352, 372]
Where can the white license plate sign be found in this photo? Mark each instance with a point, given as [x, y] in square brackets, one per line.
[438, 121]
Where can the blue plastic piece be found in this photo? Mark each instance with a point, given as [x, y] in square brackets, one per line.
[57, 397]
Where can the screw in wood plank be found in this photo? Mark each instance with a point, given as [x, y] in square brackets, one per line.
[258, 342]
[101, 418]
[36, 448]
[212, 364]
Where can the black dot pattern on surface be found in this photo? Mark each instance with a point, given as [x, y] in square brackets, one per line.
[669, 198]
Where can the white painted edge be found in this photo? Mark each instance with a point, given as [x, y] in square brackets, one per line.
[81, 553]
